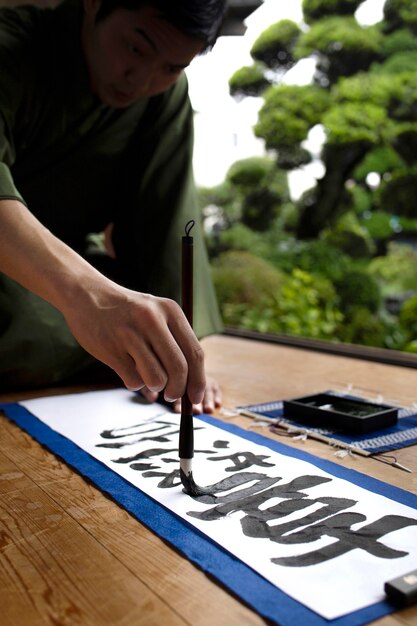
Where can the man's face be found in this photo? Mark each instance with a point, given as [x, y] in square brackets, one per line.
[133, 54]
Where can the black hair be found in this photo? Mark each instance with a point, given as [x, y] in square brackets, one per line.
[198, 18]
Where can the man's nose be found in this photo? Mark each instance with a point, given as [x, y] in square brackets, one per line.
[139, 79]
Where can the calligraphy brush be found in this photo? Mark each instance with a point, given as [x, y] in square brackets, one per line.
[186, 440]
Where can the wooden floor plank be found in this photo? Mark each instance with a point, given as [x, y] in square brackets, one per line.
[54, 572]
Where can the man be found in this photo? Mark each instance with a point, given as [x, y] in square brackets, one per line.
[95, 134]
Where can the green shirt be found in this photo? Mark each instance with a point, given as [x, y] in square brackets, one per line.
[79, 165]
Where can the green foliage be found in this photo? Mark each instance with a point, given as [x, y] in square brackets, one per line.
[240, 237]
[316, 9]
[399, 13]
[240, 277]
[357, 288]
[332, 35]
[408, 225]
[355, 122]
[397, 195]
[349, 236]
[378, 224]
[342, 47]
[397, 63]
[380, 160]
[218, 195]
[260, 207]
[249, 172]
[248, 81]
[304, 307]
[404, 139]
[411, 347]
[361, 199]
[262, 190]
[408, 318]
[222, 196]
[316, 257]
[403, 101]
[293, 157]
[275, 45]
[402, 40]
[362, 327]
[288, 113]
[365, 96]
[396, 271]
[378, 89]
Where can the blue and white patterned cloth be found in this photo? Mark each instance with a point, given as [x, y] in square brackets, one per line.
[402, 434]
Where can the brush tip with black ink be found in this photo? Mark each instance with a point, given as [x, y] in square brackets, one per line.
[186, 451]
[190, 486]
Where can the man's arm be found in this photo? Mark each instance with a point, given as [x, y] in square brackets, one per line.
[145, 339]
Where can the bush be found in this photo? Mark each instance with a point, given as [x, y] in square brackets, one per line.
[334, 34]
[350, 237]
[361, 199]
[240, 277]
[402, 40]
[397, 195]
[342, 47]
[401, 13]
[316, 257]
[362, 327]
[248, 81]
[380, 160]
[358, 289]
[378, 225]
[397, 63]
[275, 45]
[303, 307]
[408, 318]
[249, 172]
[396, 271]
[288, 114]
[240, 237]
[315, 9]
[355, 122]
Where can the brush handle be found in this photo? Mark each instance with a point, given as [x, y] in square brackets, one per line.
[186, 440]
[187, 277]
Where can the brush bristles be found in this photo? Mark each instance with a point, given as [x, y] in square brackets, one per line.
[190, 486]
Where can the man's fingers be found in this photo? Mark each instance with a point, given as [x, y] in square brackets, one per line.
[150, 396]
[212, 399]
[162, 366]
[189, 346]
[174, 350]
[127, 371]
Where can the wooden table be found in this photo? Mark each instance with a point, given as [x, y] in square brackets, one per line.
[70, 556]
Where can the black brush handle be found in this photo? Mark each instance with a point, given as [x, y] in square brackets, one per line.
[187, 278]
[186, 442]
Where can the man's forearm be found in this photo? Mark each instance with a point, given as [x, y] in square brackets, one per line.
[39, 261]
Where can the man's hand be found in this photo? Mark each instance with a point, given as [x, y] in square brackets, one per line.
[212, 398]
[145, 339]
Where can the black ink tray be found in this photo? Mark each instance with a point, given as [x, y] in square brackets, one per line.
[338, 413]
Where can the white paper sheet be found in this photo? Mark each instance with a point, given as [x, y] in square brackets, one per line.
[324, 541]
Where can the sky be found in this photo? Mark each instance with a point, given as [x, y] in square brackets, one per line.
[223, 127]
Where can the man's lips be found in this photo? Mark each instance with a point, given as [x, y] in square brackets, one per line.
[122, 96]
